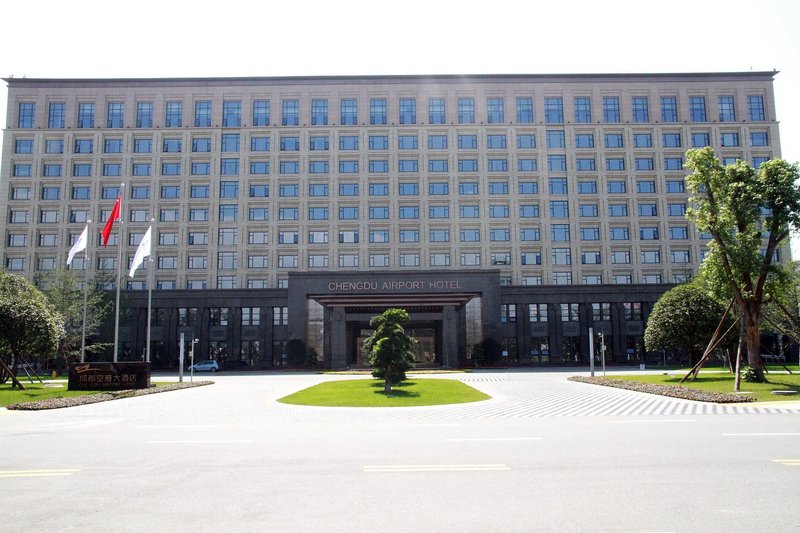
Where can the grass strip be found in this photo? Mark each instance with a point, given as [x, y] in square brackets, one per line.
[369, 393]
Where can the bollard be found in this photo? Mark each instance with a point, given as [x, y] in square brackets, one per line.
[53, 374]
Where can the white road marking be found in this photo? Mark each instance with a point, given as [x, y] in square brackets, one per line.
[437, 468]
[647, 421]
[242, 441]
[416, 425]
[493, 439]
[760, 434]
[176, 426]
[37, 473]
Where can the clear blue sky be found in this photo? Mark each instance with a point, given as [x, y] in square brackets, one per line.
[174, 38]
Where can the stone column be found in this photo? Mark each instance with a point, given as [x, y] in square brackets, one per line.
[449, 337]
[338, 338]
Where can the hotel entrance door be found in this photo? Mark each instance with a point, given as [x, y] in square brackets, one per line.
[424, 349]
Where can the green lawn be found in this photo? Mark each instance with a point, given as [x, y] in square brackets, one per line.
[36, 391]
[369, 393]
[723, 382]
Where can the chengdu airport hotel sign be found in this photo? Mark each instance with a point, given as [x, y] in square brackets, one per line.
[394, 286]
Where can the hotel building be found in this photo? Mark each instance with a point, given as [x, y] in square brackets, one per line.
[520, 208]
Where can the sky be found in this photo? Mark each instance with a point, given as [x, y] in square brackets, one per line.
[199, 38]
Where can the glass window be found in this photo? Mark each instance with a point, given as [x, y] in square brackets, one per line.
[144, 114]
[349, 111]
[583, 110]
[466, 111]
[755, 108]
[524, 110]
[554, 110]
[56, 115]
[559, 209]
[585, 164]
[697, 108]
[407, 142]
[202, 114]
[437, 142]
[377, 111]
[467, 142]
[584, 140]
[559, 232]
[759, 138]
[727, 109]
[642, 140]
[290, 115]
[112, 146]
[611, 109]
[669, 109]
[86, 113]
[174, 116]
[260, 112]
[495, 110]
[672, 140]
[640, 109]
[613, 140]
[527, 140]
[728, 139]
[319, 112]
[613, 163]
[115, 115]
[408, 111]
[54, 146]
[495, 141]
[436, 111]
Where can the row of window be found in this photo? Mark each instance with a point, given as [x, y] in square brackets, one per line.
[231, 142]
[232, 111]
[230, 189]
[571, 312]
[232, 166]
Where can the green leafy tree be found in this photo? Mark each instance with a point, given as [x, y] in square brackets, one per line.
[29, 325]
[63, 291]
[391, 349]
[684, 318]
[745, 211]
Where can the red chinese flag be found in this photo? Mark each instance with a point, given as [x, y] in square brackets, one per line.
[106, 233]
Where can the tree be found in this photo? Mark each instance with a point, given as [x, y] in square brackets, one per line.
[390, 347]
[748, 214]
[29, 325]
[67, 297]
[684, 318]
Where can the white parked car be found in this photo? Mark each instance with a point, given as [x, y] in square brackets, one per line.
[208, 366]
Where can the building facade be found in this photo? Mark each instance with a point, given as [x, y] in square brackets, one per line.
[519, 208]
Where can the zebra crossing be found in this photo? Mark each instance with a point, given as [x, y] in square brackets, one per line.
[540, 395]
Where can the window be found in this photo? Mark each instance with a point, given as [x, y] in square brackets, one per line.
[468, 188]
[140, 192]
[558, 186]
[379, 212]
[376, 142]
[471, 259]
[587, 187]
[584, 164]
[439, 235]
[531, 258]
[727, 109]
[646, 186]
[348, 189]
[348, 111]
[438, 188]
[78, 169]
[112, 146]
[555, 139]
[437, 165]
[318, 167]
[588, 210]
[644, 163]
[261, 144]
[290, 167]
[553, 110]
[226, 260]
[559, 232]
[378, 235]
[620, 257]
[467, 165]
[436, 111]
[202, 114]
[529, 234]
[408, 111]
[557, 163]
[469, 211]
[672, 140]
[590, 258]
[86, 113]
[377, 111]
[650, 256]
[348, 213]
[590, 234]
[407, 142]
[673, 163]
[467, 142]
[495, 111]
[500, 235]
[697, 108]
[200, 169]
[26, 170]
[675, 186]
[23, 146]
[319, 112]
[562, 256]
[498, 211]
[287, 261]
[228, 212]
[54, 146]
[611, 109]
[470, 235]
[617, 187]
[642, 140]
[351, 260]
[529, 211]
[496, 141]
[466, 111]
[409, 235]
[669, 109]
[229, 167]
[174, 145]
[755, 108]
[528, 187]
[524, 141]
[498, 187]
[508, 313]
[679, 256]
[619, 234]
[56, 115]
[583, 110]
[648, 233]
[348, 166]
[700, 140]
[728, 139]
[676, 210]
[260, 112]
[408, 165]
[24, 193]
[640, 109]
[379, 260]
[84, 146]
[170, 169]
[174, 115]
[584, 140]
[613, 163]
[613, 140]
[409, 212]
[318, 213]
[290, 115]
[559, 209]
[144, 114]
[759, 138]
[318, 189]
[317, 261]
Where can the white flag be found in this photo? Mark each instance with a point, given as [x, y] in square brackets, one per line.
[141, 252]
[79, 245]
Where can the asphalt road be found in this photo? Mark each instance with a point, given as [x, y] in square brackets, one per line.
[543, 455]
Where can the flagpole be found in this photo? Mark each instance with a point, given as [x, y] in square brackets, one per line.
[119, 270]
[150, 279]
[85, 292]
